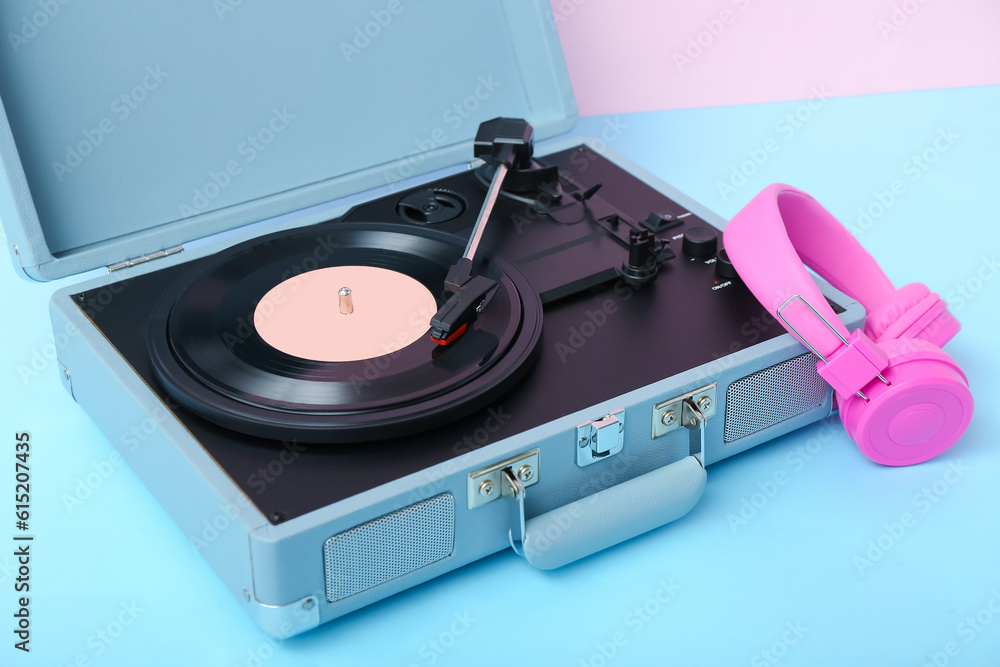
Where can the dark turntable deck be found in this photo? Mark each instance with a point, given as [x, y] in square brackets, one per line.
[603, 334]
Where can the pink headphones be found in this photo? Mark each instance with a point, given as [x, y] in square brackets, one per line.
[902, 399]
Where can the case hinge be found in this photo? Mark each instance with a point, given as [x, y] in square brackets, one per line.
[142, 259]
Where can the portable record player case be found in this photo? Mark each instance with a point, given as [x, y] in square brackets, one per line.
[104, 165]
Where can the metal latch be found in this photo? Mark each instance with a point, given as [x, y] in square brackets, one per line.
[142, 259]
[506, 479]
[488, 484]
[689, 410]
[600, 438]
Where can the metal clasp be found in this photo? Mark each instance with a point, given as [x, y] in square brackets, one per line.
[690, 410]
[515, 492]
[507, 479]
[600, 438]
[694, 420]
[487, 485]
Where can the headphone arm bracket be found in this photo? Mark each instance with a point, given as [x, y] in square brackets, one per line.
[853, 365]
[858, 362]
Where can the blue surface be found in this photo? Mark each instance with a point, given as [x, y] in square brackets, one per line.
[697, 592]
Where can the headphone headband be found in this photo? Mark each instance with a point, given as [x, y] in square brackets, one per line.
[922, 404]
[772, 240]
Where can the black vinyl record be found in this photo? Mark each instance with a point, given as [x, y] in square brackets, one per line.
[208, 356]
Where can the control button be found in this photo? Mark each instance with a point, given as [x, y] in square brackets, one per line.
[699, 242]
[657, 223]
[724, 267]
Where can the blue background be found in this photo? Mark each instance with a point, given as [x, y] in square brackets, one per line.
[734, 589]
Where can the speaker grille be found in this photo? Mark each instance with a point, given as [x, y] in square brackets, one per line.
[773, 395]
[389, 546]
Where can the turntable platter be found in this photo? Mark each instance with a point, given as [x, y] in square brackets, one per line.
[214, 351]
[345, 313]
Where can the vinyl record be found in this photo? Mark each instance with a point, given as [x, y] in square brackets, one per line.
[207, 352]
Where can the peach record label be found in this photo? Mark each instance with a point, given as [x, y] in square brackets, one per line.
[344, 313]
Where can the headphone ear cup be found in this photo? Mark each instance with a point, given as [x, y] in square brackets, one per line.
[922, 412]
[912, 312]
[894, 309]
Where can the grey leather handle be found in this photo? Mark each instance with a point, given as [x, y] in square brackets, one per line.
[613, 515]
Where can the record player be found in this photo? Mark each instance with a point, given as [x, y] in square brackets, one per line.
[533, 349]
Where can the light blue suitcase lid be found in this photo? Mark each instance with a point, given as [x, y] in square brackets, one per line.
[129, 128]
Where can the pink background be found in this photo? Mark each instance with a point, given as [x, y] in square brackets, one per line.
[621, 53]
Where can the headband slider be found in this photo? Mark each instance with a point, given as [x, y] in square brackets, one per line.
[853, 365]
